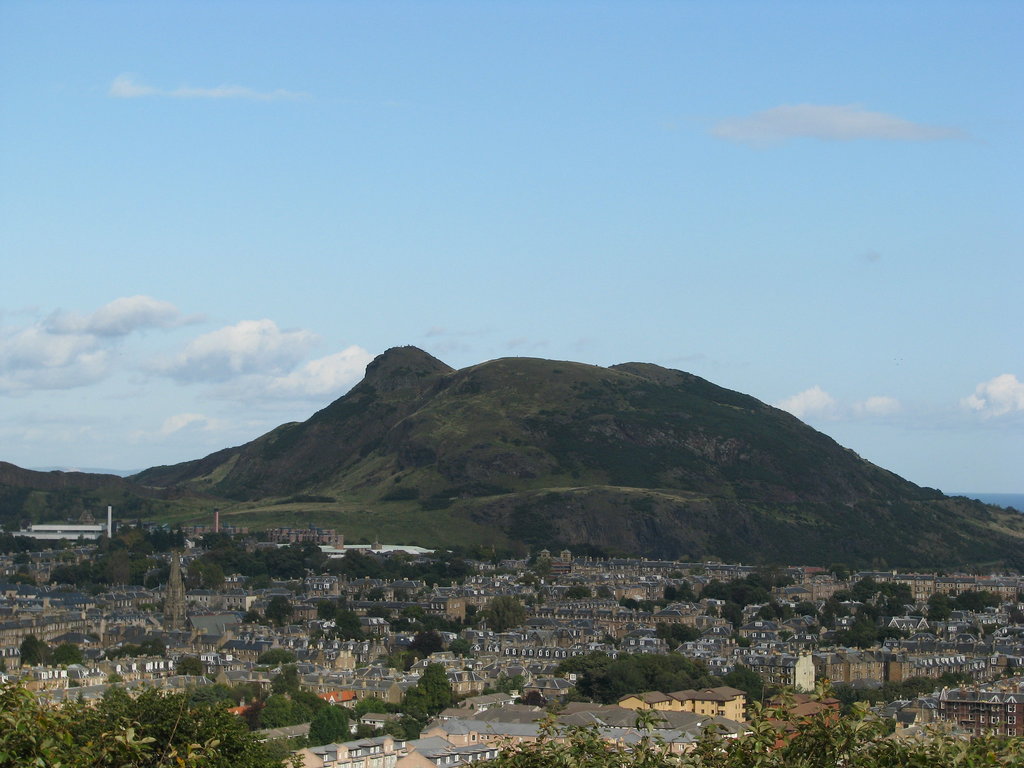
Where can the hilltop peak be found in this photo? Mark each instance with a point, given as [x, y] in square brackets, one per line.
[402, 367]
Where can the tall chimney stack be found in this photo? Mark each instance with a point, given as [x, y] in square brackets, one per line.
[110, 522]
[216, 521]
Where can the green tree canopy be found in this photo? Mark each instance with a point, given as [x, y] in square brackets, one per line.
[279, 610]
[280, 710]
[286, 681]
[460, 647]
[33, 651]
[329, 725]
[675, 634]
[504, 612]
[276, 656]
[190, 665]
[578, 592]
[66, 653]
[607, 681]
[431, 694]
[426, 643]
[151, 730]
[975, 600]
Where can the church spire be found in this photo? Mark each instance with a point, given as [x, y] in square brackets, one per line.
[174, 597]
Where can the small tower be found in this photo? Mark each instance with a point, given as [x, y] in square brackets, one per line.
[174, 597]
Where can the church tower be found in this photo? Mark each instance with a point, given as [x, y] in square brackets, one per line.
[174, 597]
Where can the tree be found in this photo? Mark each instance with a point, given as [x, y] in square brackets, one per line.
[676, 633]
[118, 567]
[863, 633]
[277, 712]
[217, 693]
[329, 725]
[746, 680]
[534, 698]
[504, 612]
[648, 720]
[205, 573]
[33, 651]
[806, 608]
[326, 609]
[972, 600]
[508, 684]
[279, 610]
[65, 654]
[371, 705]
[608, 681]
[426, 643]
[347, 626]
[578, 592]
[431, 694]
[939, 607]
[190, 665]
[286, 681]
[152, 730]
[682, 593]
[276, 656]
[460, 647]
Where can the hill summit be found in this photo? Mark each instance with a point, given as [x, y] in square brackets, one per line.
[634, 458]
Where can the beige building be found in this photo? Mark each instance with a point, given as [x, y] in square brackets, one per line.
[378, 752]
[712, 702]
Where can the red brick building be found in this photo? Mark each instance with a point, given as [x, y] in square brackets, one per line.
[998, 708]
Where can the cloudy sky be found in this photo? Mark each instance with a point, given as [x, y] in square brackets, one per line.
[212, 215]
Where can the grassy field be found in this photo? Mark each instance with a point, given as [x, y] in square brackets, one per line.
[388, 522]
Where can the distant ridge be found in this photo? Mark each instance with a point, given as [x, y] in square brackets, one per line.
[1007, 500]
[90, 470]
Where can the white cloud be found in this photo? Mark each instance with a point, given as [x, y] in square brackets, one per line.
[327, 376]
[248, 347]
[179, 421]
[878, 405]
[120, 317]
[816, 403]
[828, 123]
[126, 87]
[31, 358]
[811, 403]
[70, 349]
[997, 397]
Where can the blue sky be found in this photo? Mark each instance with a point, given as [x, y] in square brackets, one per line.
[212, 215]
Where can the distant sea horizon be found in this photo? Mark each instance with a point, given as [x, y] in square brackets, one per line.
[88, 470]
[1015, 500]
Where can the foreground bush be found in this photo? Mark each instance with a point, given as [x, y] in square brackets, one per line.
[823, 741]
[152, 730]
